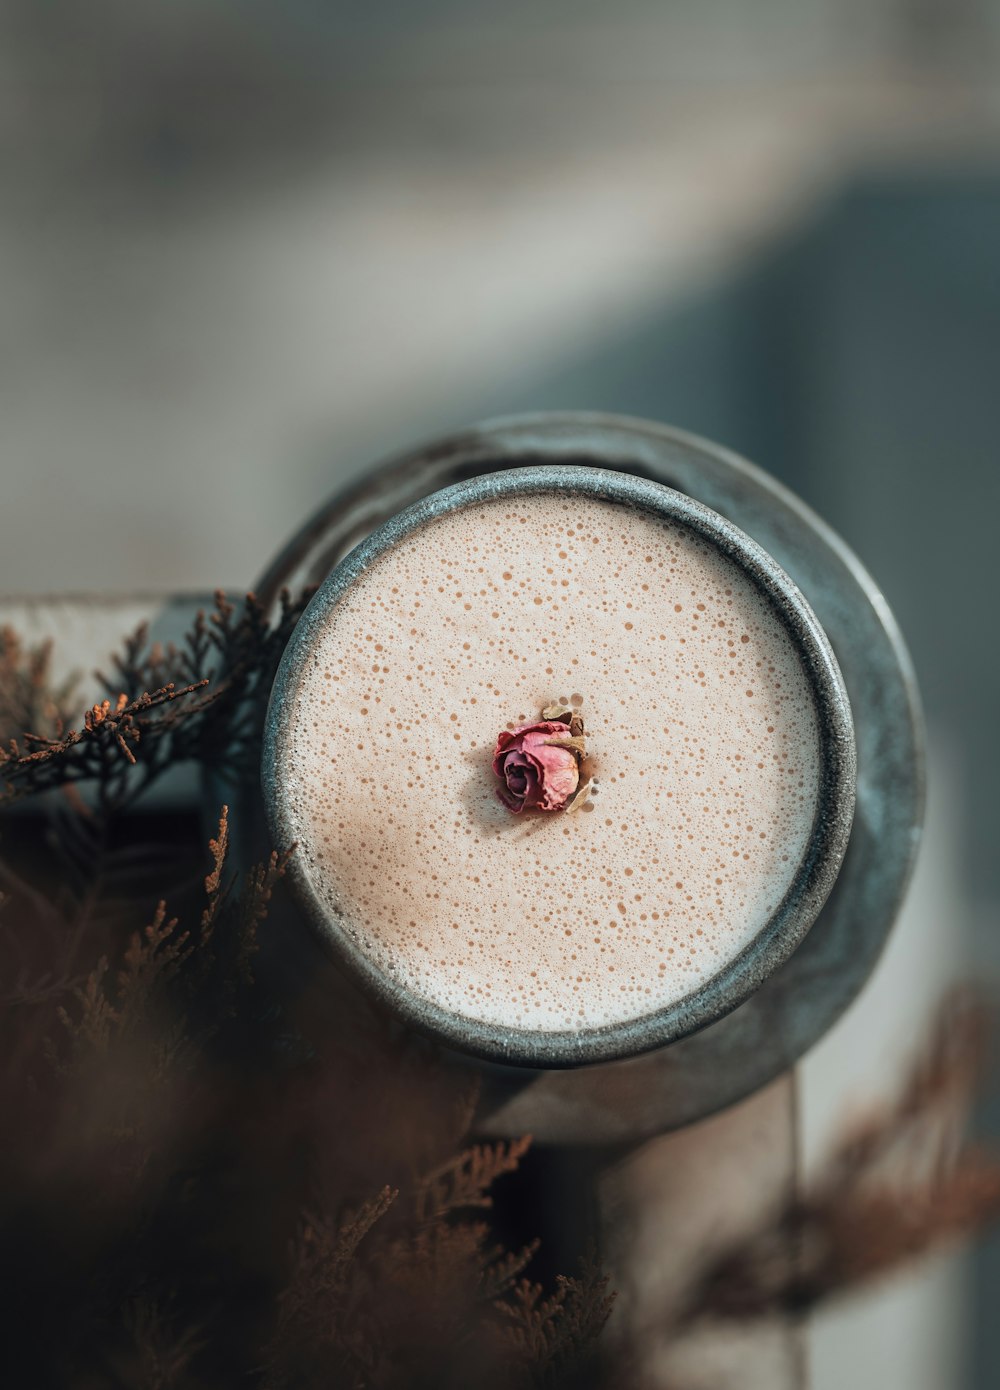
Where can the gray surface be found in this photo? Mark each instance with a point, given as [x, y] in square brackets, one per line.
[765, 1035]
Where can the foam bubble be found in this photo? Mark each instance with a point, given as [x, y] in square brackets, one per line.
[701, 733]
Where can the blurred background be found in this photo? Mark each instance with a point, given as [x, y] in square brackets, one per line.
[247, 249]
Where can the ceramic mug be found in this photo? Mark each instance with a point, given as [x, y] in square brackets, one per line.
[814, 875]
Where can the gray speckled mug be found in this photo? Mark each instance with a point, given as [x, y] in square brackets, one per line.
[742, 974]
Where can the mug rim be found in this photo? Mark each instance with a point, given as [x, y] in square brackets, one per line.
[815, 874]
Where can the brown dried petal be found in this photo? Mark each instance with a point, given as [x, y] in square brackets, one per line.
[577, 745]
[580, 796]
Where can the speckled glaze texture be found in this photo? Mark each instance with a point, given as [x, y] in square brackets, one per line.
[626, 1101]
[817, 871]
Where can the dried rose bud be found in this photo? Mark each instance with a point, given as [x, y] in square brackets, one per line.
[539, 765]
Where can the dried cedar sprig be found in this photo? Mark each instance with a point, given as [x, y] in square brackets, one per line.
[236, 649]
[394, 1294]
[113, 1007]
[75, 884]
[320, 1312]
[898, 1185]
[502, 1269]
[553, 1336]
[425, 1298]
[28, 697]
[216, 891]
[36, 763]
[163, 1351]
[464, 1181]
[200, 701]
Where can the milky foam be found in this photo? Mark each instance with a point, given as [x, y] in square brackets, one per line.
[701, 732]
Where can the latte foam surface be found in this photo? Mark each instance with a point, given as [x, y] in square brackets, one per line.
[701, 731]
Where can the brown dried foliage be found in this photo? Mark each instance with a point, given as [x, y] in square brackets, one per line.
[206, 1181]
[28, 699]
[900, 1183]
[200, 701]
[555, 1335]
[402, 1291]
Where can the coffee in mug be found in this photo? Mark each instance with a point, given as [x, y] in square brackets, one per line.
[568, 761]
